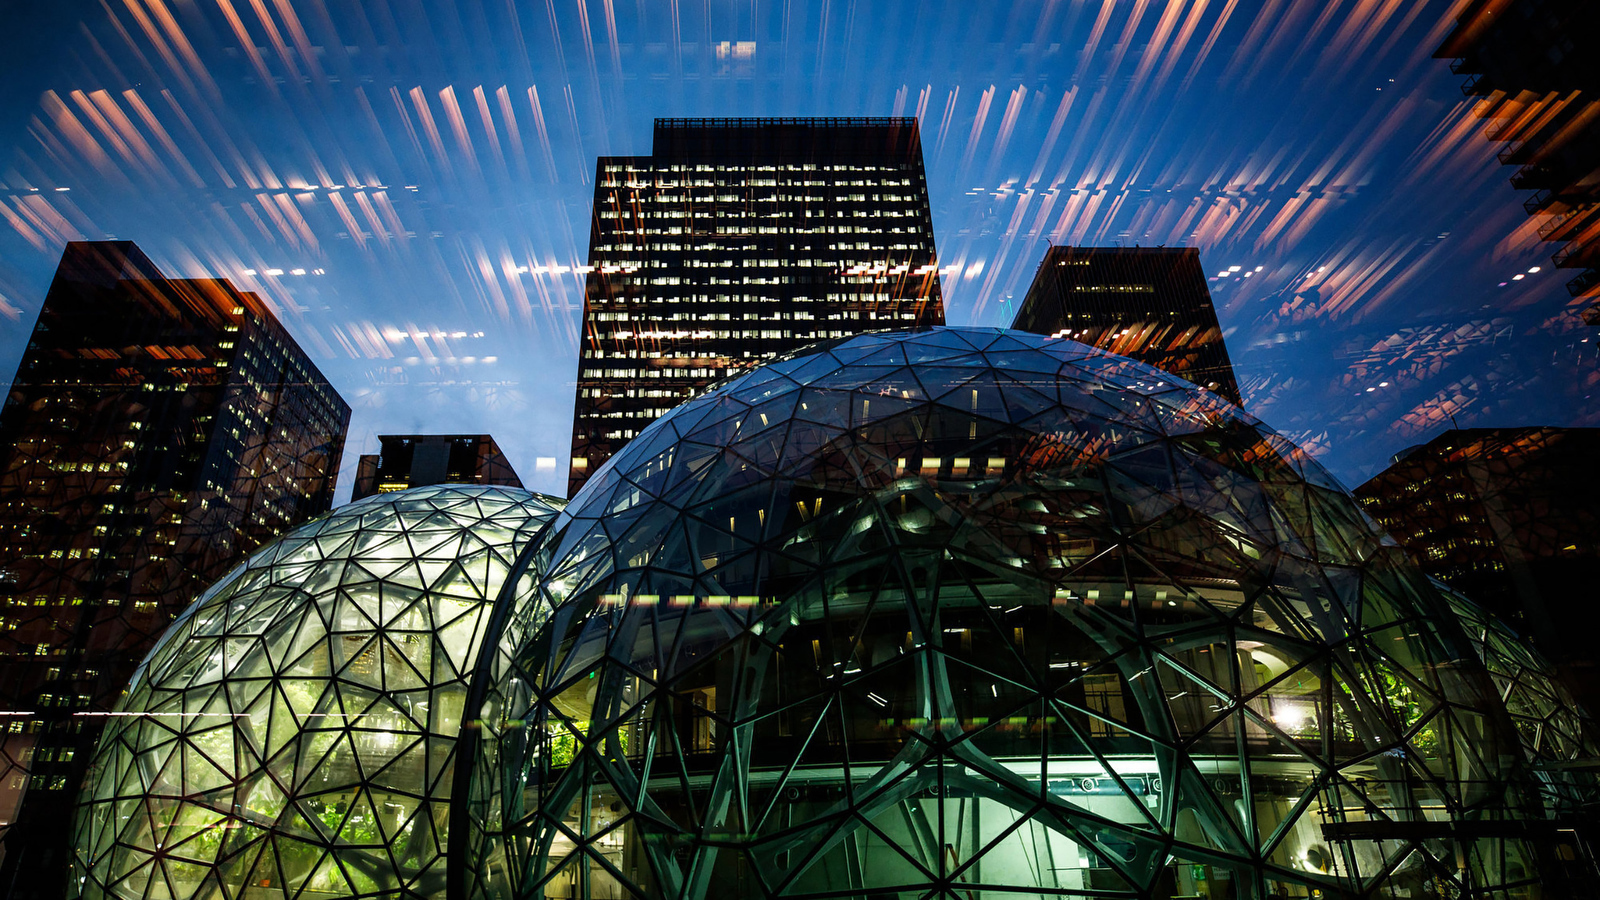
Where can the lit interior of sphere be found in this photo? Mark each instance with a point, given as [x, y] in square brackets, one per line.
[964, 612]
[294, 732]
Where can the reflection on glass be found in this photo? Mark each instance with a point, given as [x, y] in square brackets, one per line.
[294, 732]
[980, 614]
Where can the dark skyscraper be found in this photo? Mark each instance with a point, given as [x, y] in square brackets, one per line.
[1530, 64]
[1149, 303]
[414, 460]
[1511, 518]
[156, 431]
[736, 240]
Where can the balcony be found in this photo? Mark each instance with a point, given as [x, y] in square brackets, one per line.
[1587, 282]
[1534, 177]
[1577, 255]
[1562, 223]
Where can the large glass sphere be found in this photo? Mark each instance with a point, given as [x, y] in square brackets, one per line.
[968, 613]
[293, 734]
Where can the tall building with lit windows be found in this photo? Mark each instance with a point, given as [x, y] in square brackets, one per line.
[1148, 303]
[1511, 518]
[737, 240]
[156, 432]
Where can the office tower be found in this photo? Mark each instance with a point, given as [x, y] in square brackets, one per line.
[1511, 518]
[1531, 66]
[415, 460]
[1149, 303]
[737, 240]
[157, 430]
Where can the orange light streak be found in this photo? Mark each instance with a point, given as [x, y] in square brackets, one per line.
[458, 126]
[544, 134]
[1377, 25]
[344, 343]
[425, 115]
[159, 43]
[503, 98]
[297, 34]
[129, 133]
[110, 134]
[76, 135]
[37, 210]
[387, 211]
[1211, 41]
[1069, 213]
[194, 133]
[496, 299]
[276, 40]
[371, 216]
[184, 48]
[944, 123]
[611, 40]
[247, 44]
[350, 223]
[1008, 121]
[508, 271]
[261, 226]
[153, 125]
[1086, 219]
[28, 232]
[1185, 34]
[588, 38]
[1120, 49]
[488, 127]
[1288, 26]
[270, 207]
[977, 127]
[1152, 51]
[1093, 43]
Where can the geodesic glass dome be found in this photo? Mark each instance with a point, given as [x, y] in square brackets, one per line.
[1557, 735]
[955, 613]
[293, 733]
[967, 613]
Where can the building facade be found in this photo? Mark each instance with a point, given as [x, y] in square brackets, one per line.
[415, 460]
[1147, 303]
[737, 240]
[1511, 518]
[157, 431]
[1530, 67]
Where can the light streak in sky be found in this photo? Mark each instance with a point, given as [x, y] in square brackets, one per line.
[1315, 137]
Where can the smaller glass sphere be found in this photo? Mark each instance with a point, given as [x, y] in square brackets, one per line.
[293, 733]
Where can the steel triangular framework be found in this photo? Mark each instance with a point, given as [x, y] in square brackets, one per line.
[966, 613]
[954, 613]
[293, 734]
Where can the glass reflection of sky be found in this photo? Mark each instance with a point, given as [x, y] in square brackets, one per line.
[409, 183]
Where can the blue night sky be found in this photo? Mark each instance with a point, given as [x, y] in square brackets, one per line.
[428, 165]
